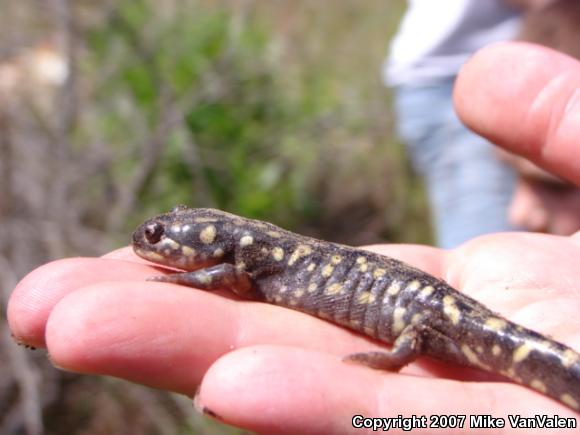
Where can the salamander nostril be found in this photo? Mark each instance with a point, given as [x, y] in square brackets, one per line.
[153, 232]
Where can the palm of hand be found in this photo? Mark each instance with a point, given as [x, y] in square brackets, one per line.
[98, 316]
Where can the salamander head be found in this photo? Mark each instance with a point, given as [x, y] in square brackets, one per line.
[186, 238]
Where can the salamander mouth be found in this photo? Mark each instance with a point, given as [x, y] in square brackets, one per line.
[151, 242]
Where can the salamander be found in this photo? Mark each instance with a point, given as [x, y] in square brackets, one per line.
[372, 294]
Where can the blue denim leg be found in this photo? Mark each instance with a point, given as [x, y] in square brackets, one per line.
[469, 189]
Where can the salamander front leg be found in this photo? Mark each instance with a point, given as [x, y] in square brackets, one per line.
[218, 277]
[406, 349]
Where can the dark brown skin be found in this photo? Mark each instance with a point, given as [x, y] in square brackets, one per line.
[555, 24]
[360, 290]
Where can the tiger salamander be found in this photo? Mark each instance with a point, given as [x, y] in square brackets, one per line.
[366, 292]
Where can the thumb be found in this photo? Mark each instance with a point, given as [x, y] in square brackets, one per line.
[525, 98]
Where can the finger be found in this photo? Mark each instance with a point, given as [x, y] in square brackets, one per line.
[126, 253]
[564, 206]
[167, 336]
[526, 209]
[525, 98]
[250, 388]
[36, 295]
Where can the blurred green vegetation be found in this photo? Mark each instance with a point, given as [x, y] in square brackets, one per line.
[280, 114]
[272, 110]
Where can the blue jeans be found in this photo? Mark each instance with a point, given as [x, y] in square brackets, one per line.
[469, 189]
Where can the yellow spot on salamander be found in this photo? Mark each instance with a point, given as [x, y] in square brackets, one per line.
[246, 241]
[366, 298]
[293, 302]
[204, 278]
[416, 318]
[361, 260]
[495, 350]
[363, 267]
[171, 243]
[414, 285]
[207, 235]
[496, 324]
[203, 220]
[299, 252]
[336, 259]
[334, 289]
[311, 267]
[150, 255]
[569, 400]
[522, 352]
[278, 253]
[369, 330]
[175, 228]
[274, 234]
[187, 251]
[327, 271]
[398, 320]
[451, 310]
[283, 289]
[426, 291]
[569, 358]
[379, 273]
[278, 298]
[470, 355]
[394, 288]
[219, 252]
[536, 384]
[509, 373]
[354, 323]
[240, 266]
[312, 287]
[298, 293]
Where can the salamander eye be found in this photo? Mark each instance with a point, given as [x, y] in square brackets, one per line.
[153, 232]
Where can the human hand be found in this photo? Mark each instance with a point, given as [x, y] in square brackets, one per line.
[542, 202]
[545, 207]
[274, 370]
[543, 129]
[526, 99]
[278, 370]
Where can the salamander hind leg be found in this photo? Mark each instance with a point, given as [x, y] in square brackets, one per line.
[406, 349]
[219, 277]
